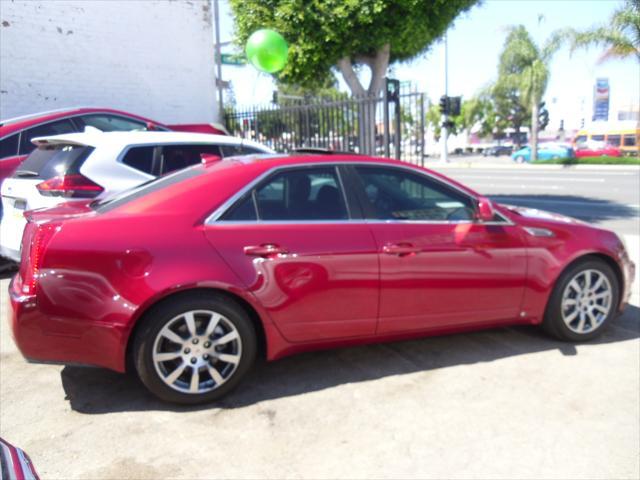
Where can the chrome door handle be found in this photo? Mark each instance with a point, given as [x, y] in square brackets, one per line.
[264, 250]
[401, 249]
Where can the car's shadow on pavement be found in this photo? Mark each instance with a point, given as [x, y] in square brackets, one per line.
[584, 208]
[94, 391]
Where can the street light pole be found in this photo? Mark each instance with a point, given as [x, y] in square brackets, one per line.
[445, 118]
[216, 17]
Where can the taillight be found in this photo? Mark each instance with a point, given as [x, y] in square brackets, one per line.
[32, 260]
[70, 186]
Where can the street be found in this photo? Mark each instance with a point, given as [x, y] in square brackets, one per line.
[606, 197]
[502, 403]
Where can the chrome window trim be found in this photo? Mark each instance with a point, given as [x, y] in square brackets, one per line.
[214, 217]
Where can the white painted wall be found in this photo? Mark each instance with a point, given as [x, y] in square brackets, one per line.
[150, 57]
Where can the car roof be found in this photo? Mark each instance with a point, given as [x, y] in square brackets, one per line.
[259, 163]
[97, 139]
[11, 125]
[194, 183]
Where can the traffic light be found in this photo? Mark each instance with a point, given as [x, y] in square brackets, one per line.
[393, 89]
[543, 116]
[274, 98]
[450, 105]
[454, 106]
[444, 105]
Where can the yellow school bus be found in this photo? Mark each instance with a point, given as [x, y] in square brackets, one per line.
[627, 139]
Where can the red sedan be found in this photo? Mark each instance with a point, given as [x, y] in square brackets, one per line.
[597, 150]
[190, 276]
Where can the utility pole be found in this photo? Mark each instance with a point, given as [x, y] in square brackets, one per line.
[445, 117]
[216, 17]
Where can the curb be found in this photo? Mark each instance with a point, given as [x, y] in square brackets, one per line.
[516, 166]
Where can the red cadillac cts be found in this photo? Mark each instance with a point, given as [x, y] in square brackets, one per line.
[188, 277]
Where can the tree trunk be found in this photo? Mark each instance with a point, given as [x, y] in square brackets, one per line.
[533, 141]
[367, 100]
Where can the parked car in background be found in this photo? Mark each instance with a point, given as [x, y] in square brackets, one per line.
[596, 149]
[546, 151]
[188, 277]
[498, 150]
[16, 133]
[622, 135]
[93, 164]
[15, 464]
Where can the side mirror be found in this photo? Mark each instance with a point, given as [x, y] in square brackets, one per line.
[485, 210]
[151, 126]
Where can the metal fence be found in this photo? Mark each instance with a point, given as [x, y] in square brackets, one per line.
[392, 125]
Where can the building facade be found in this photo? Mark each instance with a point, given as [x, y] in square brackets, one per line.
[150, 57]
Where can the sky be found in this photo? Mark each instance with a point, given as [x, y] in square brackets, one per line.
[474, 43]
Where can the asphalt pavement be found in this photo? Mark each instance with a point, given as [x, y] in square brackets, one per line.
[608, 197]
[502, 403]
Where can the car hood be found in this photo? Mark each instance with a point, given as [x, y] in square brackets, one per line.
[543, 215]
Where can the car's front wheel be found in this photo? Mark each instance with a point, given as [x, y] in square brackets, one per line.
[583, 301]
[519, 159]
[194, 349]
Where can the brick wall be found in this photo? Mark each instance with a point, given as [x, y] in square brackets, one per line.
[150, 57]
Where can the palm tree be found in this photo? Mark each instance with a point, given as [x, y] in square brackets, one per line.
[524, 71]
[620, 37]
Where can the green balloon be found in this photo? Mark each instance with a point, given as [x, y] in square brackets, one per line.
[267, 50]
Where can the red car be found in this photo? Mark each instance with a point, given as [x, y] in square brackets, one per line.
[191, 275]
[15, 464]
[16, 134]
[599, 149]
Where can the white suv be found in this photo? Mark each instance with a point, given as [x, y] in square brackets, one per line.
[96, 164]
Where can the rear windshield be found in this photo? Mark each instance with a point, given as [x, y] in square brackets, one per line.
[122, 198]
[49, 161]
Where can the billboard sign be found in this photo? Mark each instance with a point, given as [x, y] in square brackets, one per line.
[601, 100]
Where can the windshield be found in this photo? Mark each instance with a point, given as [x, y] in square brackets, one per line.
[126, 196]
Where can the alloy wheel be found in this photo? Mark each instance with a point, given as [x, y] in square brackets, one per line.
[197, 351]
[586, 301]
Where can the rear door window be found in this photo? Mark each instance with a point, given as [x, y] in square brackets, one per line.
[629, 140]
[9, 146]
[51, 161]
[309, 194]
[46, 130]
[177, 157]
[141, 158]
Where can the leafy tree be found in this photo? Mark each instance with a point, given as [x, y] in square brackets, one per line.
[620, 36]
[523, 73]
[348, 34]
[477, 111]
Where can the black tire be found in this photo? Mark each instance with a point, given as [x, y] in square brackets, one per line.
[163, 313]
[553, 322]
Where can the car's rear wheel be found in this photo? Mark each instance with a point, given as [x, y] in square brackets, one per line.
[194, 349]
[583, 301]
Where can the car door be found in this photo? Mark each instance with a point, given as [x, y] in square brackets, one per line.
[301, 247]
[438, 266]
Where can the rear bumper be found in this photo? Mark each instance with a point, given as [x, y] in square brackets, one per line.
[43, 338]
